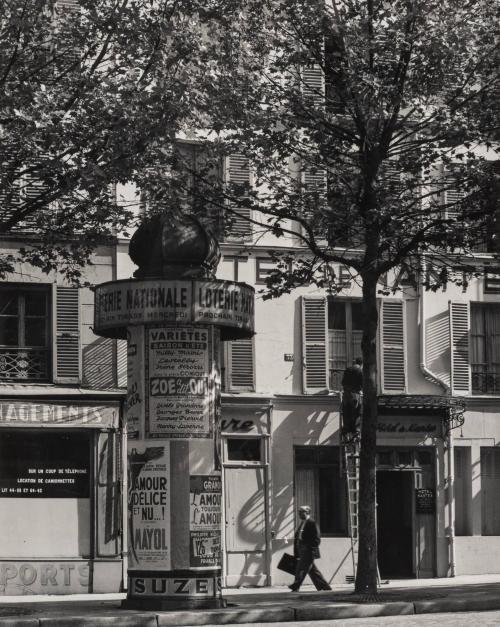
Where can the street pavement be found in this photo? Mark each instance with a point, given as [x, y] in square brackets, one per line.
[401, 600]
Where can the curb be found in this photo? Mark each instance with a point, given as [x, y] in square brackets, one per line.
[228, 617]
[263, 614]
[458, 604]
[324, 611]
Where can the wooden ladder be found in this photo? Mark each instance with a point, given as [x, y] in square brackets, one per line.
[351, 466]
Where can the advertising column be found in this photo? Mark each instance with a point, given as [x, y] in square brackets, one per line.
[174, 330]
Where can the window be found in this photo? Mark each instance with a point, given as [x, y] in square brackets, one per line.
[345, 330]
[320, 484]
[244, 449]
[41, 470]
[24, 333]
[331, 340]
[264, 268]
[490, 490]
[485, 348]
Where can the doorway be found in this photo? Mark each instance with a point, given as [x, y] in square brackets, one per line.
[395, 523]
[247, 538]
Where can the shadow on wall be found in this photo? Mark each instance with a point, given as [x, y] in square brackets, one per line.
[103, 365]
[304, 426]
[438, 353]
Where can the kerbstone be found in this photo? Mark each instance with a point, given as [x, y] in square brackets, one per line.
[120, 620]
[349, 610]
[227, 617]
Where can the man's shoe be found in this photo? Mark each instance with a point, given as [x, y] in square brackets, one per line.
[293, 588]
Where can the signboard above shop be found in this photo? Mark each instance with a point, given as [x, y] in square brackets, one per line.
[226, 304]
[36, 414]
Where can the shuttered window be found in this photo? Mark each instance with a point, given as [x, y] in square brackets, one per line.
[314, 344]
[392, 326]
[460, 366]
[237, 225]
[67, 335]
[238, 366]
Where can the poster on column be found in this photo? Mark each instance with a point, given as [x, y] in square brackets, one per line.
[149, 505]
[179, 382]
[205, 514]
[135, 381]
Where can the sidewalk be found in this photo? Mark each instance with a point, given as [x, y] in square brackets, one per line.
[258, 605]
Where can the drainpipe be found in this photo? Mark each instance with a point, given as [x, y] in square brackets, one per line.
[434, 378]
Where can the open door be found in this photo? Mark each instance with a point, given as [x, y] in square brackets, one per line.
[395, 523]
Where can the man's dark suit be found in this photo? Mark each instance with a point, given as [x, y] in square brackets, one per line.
[306, 550]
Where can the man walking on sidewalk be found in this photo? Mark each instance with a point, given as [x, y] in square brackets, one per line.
[306, 550]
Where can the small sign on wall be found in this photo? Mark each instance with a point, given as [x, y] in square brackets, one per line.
[425, 501]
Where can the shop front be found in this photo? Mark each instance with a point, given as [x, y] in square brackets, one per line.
[60, 489]
[245, 430]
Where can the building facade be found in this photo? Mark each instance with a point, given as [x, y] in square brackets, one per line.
[61, 435]
[437, 457]
[62, 394]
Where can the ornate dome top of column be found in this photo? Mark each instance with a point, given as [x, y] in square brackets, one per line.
[174, 248]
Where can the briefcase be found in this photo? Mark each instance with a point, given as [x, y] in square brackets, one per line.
[287, 563]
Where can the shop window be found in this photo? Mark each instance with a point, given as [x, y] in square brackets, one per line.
[485, 348]
[490, 490]
[463, 491]
[320, 484]
[25, 333]
[45, 484]
[345, 330]
[244, 449]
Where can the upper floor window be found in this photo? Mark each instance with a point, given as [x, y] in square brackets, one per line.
[331, 340]
[485, 347]
[25, 333]
[39, 333]
[345, 330]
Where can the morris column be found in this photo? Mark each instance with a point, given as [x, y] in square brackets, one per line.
[174, 314]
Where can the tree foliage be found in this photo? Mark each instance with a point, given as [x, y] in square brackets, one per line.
[91, 94]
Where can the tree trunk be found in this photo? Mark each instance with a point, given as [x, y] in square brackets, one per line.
[366, 576]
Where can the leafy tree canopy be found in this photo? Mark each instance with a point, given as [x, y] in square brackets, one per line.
[91, 94]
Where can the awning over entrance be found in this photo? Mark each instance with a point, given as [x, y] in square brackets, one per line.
[451, 409]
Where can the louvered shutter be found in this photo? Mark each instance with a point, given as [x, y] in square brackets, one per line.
[393, 334]
[67, 335]
[314, 184]
[237, 224]
[241, 371]
[314, 344]
[121, 363]
[313, 84]
[460, 361]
